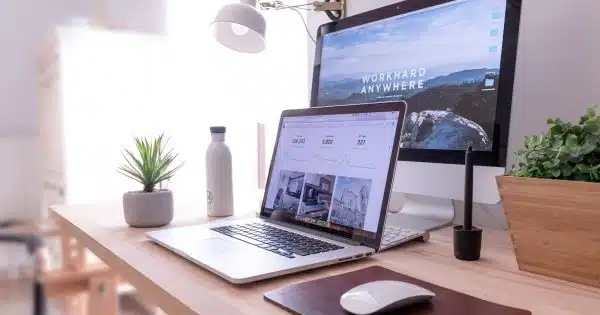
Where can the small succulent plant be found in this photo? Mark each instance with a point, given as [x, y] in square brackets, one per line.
[152, 163]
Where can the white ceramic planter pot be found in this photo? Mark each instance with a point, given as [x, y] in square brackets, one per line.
[143, 209]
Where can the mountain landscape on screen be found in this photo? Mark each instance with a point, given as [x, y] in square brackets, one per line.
[444, 64]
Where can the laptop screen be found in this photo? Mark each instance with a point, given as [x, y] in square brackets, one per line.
[331, 170]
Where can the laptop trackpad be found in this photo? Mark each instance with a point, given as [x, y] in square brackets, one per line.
[216, 245]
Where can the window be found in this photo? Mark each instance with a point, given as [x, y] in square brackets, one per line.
[115, 85]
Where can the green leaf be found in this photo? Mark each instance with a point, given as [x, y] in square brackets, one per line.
[548, 164]
[556, 173]
[556, 143]
[575, 152]
[567, 170]
[582, 168]
[591, 112]
[571, 140]
[591, 126]
[151, 165]
[538, 139]
[594, 175]
[128, 174]
[137, 163]
[587, 147]
[170, 173]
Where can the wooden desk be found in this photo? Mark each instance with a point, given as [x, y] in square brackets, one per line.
[179, 287]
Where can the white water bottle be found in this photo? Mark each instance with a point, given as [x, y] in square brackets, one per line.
[219, 181]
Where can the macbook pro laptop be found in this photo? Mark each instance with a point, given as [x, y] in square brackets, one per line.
[325, 200]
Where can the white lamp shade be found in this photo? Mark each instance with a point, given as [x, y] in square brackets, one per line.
[240, 27]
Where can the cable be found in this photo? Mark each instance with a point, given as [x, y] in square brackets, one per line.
[279, 5]
[331, 15]
[305, 25]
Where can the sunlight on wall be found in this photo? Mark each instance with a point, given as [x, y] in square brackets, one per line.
[119, 85]
[212, 85]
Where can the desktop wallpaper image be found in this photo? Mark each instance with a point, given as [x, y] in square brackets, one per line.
[443, 62]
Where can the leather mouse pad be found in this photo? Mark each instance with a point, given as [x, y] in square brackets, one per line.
[322, 296]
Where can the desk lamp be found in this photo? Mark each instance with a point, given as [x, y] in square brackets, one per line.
[241, 27]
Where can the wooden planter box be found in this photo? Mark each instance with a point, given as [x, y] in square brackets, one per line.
[554, 226]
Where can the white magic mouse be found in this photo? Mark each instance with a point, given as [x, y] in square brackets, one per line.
[382, 296]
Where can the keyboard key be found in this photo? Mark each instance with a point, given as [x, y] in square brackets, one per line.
[299, 252]
[245, 239]
[283, 252]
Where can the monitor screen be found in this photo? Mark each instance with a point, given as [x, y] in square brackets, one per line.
[331, 170]
[444, 61]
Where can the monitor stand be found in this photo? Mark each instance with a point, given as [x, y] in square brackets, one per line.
[423, 213]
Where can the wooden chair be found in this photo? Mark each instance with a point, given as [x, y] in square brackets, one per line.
[79, 286]
[33, 244]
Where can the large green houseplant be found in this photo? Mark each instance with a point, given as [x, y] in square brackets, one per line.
[551, 199]
[150, 165]
[566, 151]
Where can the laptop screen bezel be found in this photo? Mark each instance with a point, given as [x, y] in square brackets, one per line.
[357, 235]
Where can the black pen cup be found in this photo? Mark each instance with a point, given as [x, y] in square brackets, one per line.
[467, 243]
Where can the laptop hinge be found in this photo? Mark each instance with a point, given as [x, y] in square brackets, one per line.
[314, 232]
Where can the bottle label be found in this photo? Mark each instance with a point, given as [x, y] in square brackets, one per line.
[209, 197]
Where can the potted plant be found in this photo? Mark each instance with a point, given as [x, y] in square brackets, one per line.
[150, 207]
[552, 201]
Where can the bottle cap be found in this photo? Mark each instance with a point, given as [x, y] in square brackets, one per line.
[217, 129]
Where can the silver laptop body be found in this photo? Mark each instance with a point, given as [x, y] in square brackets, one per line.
[325, 200]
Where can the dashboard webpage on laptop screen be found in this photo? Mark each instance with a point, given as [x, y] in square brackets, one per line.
[443, 61]
[331, 170]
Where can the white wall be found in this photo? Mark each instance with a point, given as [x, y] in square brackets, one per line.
[24, 25]
[558, 63]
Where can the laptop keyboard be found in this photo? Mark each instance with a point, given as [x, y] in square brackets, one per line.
[276, 240]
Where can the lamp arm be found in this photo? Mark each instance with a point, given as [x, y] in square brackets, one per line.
[278, 5]
[329, 7]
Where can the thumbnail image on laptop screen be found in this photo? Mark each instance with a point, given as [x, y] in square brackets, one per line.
[331, 170]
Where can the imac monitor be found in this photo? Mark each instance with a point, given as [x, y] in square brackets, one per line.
[453, 62]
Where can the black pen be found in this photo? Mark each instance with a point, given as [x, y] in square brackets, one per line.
[468, 223]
